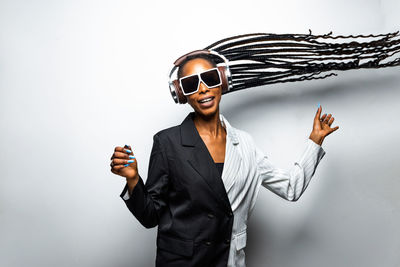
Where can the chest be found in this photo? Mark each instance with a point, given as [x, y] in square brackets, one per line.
[216, 147]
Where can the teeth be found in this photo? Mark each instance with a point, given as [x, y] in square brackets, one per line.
[206, 100]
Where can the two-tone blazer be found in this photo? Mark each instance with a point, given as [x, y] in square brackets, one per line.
[201, 217]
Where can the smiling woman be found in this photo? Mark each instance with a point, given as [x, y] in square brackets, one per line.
[205, 99]
[201, 212]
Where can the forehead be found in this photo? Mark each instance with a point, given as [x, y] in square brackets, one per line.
[196, 65]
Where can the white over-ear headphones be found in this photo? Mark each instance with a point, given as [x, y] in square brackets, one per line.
[176, 90]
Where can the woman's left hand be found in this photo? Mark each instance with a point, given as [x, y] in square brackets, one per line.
[322, 127]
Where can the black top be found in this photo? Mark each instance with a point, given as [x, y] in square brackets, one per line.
[220, 167]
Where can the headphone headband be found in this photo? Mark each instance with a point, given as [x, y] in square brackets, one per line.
[195, 52]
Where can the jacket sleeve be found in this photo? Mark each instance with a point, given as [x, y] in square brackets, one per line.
[147, 201]
[289, 184]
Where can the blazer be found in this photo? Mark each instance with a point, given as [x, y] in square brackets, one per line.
[202, 217]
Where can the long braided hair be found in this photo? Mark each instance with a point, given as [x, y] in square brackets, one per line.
[264, 58]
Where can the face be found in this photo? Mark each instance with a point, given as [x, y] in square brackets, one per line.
[209, 108]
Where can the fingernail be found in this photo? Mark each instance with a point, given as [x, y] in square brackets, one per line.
[318, 105]
[126, 146]
[128, 151]
[131, 161]
[131, 157]
[126, 165]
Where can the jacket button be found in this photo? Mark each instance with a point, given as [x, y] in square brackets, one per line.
[230, 214]
[227, 241]
[208, 243]
[210, 215]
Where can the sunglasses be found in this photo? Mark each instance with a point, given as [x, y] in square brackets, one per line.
[190, 84]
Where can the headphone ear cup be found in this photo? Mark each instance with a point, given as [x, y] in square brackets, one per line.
[181, 97]
[222, 70]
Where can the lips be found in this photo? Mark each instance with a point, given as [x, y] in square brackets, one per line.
[208, 103]
[206, 97]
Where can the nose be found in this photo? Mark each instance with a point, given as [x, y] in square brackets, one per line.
[203, 87]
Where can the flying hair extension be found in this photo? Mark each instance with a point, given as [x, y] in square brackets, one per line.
[258, 59]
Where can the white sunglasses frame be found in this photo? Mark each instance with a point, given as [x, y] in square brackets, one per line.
[200, 80]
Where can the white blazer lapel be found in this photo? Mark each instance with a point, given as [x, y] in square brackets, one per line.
[233, 158]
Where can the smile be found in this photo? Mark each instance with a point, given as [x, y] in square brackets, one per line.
[206, 99]
[206, 102]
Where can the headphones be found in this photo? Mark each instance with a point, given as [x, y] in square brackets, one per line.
[176, 90]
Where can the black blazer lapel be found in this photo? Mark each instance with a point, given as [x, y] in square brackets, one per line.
[201, 160]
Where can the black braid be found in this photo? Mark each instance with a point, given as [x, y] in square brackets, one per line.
[264, 58]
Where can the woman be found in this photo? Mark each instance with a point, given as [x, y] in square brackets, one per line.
[201, 209]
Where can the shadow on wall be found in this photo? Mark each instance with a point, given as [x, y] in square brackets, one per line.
[262, 236]
[357, 81]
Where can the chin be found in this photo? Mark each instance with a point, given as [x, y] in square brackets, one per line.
[207, 112]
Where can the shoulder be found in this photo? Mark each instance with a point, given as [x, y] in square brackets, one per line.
[242, 133]
[167, 135]
[173, 130]
[244, 137]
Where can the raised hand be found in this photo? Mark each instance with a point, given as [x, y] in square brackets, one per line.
[123, 162]
[322, 126]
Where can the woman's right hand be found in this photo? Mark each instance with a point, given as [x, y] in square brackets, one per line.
[124, 163]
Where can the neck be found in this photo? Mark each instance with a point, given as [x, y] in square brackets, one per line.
[209, 125]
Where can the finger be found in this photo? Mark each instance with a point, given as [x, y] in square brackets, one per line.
[331, 121]
[119, 148]
[117, 172]
[113, 164]
[318, 114]
[123, 150]
[116, 161]
[323, 117]
[331, 130]
[116, 168]
[128, 150]
[120, 155]
[327, 118]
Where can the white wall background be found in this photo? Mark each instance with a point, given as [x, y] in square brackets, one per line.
[78, 78]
